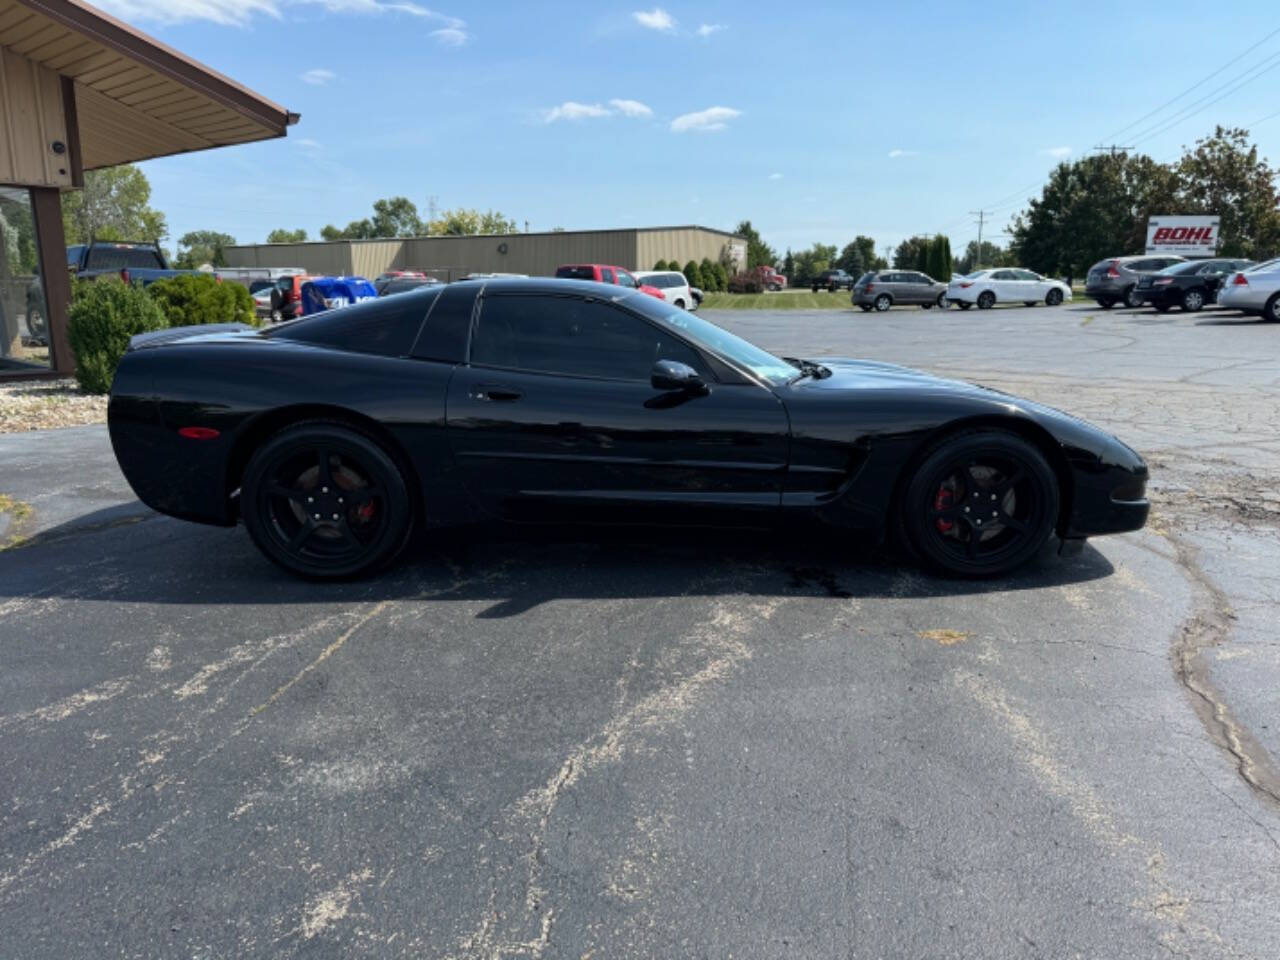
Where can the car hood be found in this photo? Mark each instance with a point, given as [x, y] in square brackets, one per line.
[849, 373]
[192, 334]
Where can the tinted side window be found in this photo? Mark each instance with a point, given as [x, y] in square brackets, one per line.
[573, 337]
[385, 327]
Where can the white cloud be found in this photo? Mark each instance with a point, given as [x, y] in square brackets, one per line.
[707, 29]
[775, 176]
[451, 36]
[318, 77]
[1058, 152]
[713, 118]
[572, 110]
[894, 154]
[307, 142]
[238, 13]
[655, 19]
[631, 108]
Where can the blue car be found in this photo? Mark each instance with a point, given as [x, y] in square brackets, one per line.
[327, 293]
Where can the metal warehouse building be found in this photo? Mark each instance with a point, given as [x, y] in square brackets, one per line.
[537, 254]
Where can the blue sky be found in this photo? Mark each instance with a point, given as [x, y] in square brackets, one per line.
[817, 122]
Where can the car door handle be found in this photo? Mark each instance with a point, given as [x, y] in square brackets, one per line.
[496, 392]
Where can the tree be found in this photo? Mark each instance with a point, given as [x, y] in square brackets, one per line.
[759, 253]
[850, 259]
[397, 217]
[722, 277]
[693, 274]
[922, 255]
[907, 254]
[939, 258]
[992, 256]
[707, 270]
[199, 247]
[788, 264]
[1224, 175]
[114, 205]
[660, 265]
[809, 263]
[463, 222]
[287, 236]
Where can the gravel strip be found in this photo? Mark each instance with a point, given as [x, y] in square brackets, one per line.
[47, 404]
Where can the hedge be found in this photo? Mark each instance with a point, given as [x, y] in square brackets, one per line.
[192, 299]
[103, 316]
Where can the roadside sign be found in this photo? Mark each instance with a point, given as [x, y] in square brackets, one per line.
[1189, 236]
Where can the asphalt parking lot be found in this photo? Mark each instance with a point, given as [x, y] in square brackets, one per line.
[561, 745]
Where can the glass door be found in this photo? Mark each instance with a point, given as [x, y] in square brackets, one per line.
[24, 322]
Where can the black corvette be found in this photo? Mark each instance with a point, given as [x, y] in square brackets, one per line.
[334, 437]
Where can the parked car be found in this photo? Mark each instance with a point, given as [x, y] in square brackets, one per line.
[286, 299]
[398, 275]
[261, 291]
[1189, 285]
[986, 288]
[550, 403]
[392, 285]
[606, 273]
[331, 293]
[1255, 291]
[832, 280]
[882, 289]
[673, 284]
[1115, 280]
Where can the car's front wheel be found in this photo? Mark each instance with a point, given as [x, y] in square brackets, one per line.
[981, 503]
[1272, 310]
[942, 301]
[986, 300]
[1053, 298]
[883, 302]
[326, 501]
[1193, 301]
[1132, 300]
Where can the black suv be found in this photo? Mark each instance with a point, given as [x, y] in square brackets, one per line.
[832, 280]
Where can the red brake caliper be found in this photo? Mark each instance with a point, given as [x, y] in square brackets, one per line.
[365, 513]
[941, 502]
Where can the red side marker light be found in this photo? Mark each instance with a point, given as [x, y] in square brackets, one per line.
[198, 433]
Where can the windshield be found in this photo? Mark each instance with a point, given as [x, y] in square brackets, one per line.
[716, 340]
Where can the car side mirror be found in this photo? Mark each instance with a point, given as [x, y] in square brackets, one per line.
[674, 375]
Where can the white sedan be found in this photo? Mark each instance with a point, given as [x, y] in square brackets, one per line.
[1257, 290]
[986, 288]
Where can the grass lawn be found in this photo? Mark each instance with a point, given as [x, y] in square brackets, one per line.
[782, 300]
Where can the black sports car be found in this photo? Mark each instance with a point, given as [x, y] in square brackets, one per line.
[335, 436]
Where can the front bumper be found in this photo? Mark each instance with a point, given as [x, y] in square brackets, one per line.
[1110, 494]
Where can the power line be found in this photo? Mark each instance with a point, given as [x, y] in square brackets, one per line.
[1194, 86]
[1204, 103]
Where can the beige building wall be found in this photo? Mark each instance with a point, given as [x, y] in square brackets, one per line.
[535, 254]
[31, 119]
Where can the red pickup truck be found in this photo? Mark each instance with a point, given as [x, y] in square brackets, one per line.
[606, 273]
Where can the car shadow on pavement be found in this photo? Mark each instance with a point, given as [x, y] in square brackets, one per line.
[130, 554]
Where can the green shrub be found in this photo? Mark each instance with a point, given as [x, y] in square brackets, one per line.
[707, 271]
[693, 274]
[104, 315]
[660, 265]
[190, 299]
[722, 277]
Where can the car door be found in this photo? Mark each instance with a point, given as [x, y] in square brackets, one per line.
[1032, 285]
[554, 417]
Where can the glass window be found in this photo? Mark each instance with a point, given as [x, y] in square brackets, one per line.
[24, 321]
[625, 279]
[576, 273]
[124, 256]
[387, 327]
[1027, 275]
[573, 337]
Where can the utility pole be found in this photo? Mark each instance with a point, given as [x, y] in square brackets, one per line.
[433, 204]
[982, 219]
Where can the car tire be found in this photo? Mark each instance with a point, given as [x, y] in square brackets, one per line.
[883, 303]
[963, 304]
[926, 306]
[1193, 301]
[986, 300]
[326, 467]
[815, 288]
[1131, 298]
[996, 473]
[277, 316]
[866, 307]
[1271, 311]
[942, 302]
[1053, 298]
[680, 304]
[1163, 307]
[1029, 303]
[1106, 304]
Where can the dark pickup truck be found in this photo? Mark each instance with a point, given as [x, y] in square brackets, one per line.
[141, 263]
[833, 280]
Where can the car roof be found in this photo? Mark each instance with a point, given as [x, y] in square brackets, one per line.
[548, 285]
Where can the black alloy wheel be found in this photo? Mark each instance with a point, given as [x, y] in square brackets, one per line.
[982, 503]
[986, 300]
[883, 302]
[1053, 298]
[326, 502]
[1193, 301]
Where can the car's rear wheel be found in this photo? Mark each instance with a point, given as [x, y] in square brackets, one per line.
[927, 306]
[980, 504]
[883, 302]
[1131, 298]
[866, 307]
[942, 301]
[986, 300]
[1053, 298]
[326, 501]
[680, 304]
[963, 305]
[1193, 301]
[1272, 310]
